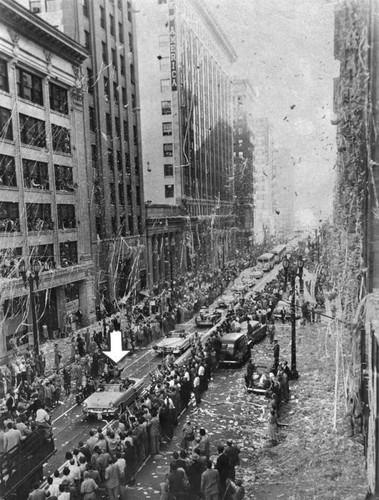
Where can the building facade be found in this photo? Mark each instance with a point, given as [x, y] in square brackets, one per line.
[243, 128]
[263, 194]
[112, 139]
[185, 63]
[44, 209]
[283, 194]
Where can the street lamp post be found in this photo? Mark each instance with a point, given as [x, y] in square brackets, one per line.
[292, 270]
[29, 278]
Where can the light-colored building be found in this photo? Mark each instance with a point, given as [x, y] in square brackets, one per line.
[112, 138]
[263, 184]
[243, 124]
[283, 193]
[44, 210]
[185, 63]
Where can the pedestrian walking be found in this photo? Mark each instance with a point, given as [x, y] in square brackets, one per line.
[210, 483]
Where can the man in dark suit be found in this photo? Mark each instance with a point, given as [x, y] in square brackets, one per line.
[223, 467]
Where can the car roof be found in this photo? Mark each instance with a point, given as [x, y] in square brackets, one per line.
[230, 337]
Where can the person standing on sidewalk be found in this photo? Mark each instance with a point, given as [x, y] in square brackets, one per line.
[276, 353]
[210, 483]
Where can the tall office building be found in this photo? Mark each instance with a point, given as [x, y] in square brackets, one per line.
[44, 212]
[185, 63]
[283, 193]
[112, 137]
[243, 124]
[263, 185]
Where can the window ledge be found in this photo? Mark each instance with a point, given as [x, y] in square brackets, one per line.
[31, 103]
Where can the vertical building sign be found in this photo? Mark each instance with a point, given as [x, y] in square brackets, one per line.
[172, 38]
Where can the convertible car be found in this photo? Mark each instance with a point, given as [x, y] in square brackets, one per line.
[110, 400]
[175, 342]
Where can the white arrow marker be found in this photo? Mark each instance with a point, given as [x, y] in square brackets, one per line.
[116, 353]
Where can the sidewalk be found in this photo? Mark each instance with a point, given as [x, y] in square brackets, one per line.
[312, 459]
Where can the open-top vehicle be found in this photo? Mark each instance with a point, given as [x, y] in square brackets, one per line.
[207, 318]
[175, 342]
[113, 399]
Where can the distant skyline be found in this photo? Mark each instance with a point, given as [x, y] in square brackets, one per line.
[285, 48]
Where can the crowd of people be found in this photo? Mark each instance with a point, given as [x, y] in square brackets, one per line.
[110, 459]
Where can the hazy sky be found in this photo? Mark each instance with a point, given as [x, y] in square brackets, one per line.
[285, 48]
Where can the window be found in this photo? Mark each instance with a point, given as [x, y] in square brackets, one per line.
[63, 178]
[164, 63]
[85, 7]
[165, 85]
[106, 88]
[61, 139]
[167, 149]
[94, 155]
[169, 190]
[121, 195]
[104, 52]
[131, 225]
[9, 217]
[166, 107]
[111, 24]
[240, 142]
[168, 170]
[112, 192]
[119, 161]
[110, 158]
[58, 99]
[87, 40]
[122, 65]
[102, 16]
[129, 12]
[90, 81]
[7, 171]
[133, 100]
[120, 33]
[115, 93]
[163, 41]
[132, 75]
[39, 217]
[124, 97]
[9, 259]
[45, 255]
[117, 126]
[36, 174]
[4, 82]
[6, 131]
[69, 253]
[66, 217]
[167, 128]
[92, 119]
[130, 42]
[29, 86]
[114, 59]
[108, 121]
[161, 2]
[32, 131]
[127, 164]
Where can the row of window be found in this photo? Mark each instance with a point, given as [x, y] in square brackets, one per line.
[10, 258]
[30, 87]
[35, 174]
[38, 216]
[33, 132]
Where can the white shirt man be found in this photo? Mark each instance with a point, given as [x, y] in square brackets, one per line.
[42, 417]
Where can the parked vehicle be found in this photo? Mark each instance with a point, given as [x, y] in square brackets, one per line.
[110, 400]
[235, 349]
